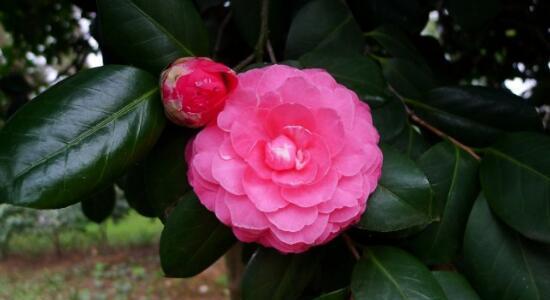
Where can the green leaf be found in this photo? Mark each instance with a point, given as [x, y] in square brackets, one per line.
[390, 119]
[166, 171]
[500, 263]
[152, 34]
[473, 14]
[358, 72]
[453, 176]
[397, 44]
[136, 193]
[99, 206]
[475, 115]
[193, 239]
[341, 294]
[408, 15]
[408, 78]
[515, 176]
[410, 142]
[391, 273]
[403, 198]
[79, 136]
[272, 275]
[323, 24]
[455, 286]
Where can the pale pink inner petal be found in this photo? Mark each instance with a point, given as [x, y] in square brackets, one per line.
[292, 178]
[293, 218]
[256, 161]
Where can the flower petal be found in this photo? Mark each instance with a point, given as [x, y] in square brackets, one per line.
[244, 214]
[311, 195]
[292, 218]
[330, 128]
[265, 195]
[229, 174]
[289, 114]
[308, 235]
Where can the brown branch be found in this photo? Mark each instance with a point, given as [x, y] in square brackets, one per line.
[441, 134]
[264, 31]
[223, 25]
[351, 246]
[271, 52]
[244, 63]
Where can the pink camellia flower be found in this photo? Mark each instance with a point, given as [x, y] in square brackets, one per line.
[194, 90]
[290, 161]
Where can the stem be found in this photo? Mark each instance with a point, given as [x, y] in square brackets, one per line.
[441, 134]
[264, 31]
[235, 269]
[223, 25]
[351, 246]
[244, 63]
[433, 129]
[271, 52]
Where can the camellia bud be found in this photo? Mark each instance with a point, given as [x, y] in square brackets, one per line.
[194, 90]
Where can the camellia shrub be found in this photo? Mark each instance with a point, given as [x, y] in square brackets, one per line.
[342, 144]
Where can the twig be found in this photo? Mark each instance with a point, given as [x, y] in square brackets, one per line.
[351, 246]
[264, 31]
[271, 52]
[433, 129]
[220, 33]
[245, 62]
[441, 134]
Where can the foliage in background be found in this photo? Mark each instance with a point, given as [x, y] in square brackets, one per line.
[466, 176]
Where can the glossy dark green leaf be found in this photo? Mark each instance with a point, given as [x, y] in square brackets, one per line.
[408, 78]
[272, 275]
[152, 34]
[403, 198]
[500, 263]
[79, 136]
[410, 142]
[135, 191]
[472, 14]
[396, 43]
[323, 24]
[455, 286]
[515, 176]
[341, 294]
[388, 273]
[99, 206]
[166, 171]
[193, 239]
[475, 115]
[453, 176]
[408, 15]
[358, 72]
[390, 119]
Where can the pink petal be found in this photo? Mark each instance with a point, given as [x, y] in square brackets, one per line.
[320, 155]
[273, 77]
[294, 178]
[330, 128]
[299, 90]
[344, 214]
[256, 161]
[202, 164]
[363, 130]
[244, 214]
[351, 160]
[320, 77]
[270, 240]
[308, 235]
[311, 195]
[292, 218]
[229, 173]
[208, 139]
[269, 100]
[289, 114]
[247, 235]
[220, 209]
[265, 195]
[242, 100]
[244, 135]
